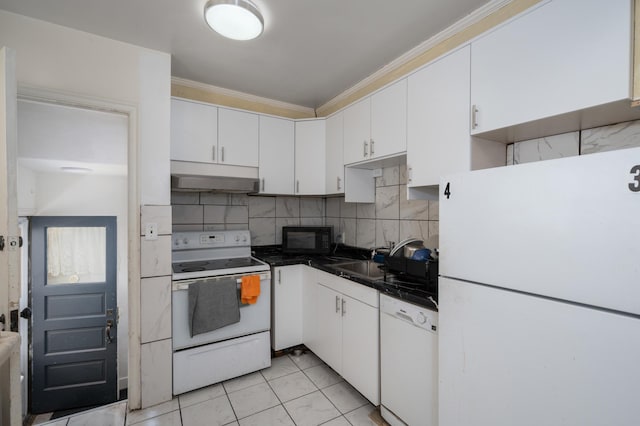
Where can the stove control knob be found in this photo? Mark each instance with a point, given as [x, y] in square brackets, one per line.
[420, 318]
[185, 241]
[237, 238]
[244, 238]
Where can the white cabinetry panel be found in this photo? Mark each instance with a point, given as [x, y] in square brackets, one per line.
[334, 155]
[357, 131]
[238, 138]
[194, 131]
[438, 120]
[347, 331]
[553, 60]
[310, 157]
[360, 347]
[389, 120]
[276, 155]
[376, 126]
[286, 307]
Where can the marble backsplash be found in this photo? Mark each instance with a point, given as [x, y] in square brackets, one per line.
[264, 216]
[590, 141]
[391, 218]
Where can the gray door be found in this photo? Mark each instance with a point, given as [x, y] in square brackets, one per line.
[73, 285]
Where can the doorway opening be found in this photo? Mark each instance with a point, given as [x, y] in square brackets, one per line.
[73, 161]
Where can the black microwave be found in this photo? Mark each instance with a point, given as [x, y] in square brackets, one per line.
[307, 239]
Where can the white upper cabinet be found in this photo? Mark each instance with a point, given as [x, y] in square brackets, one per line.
[334, 155]
[276, 170]
[237, 138]
[310, 157]
[563, 56]
[389, 121]
[204, 133]
[438, 140]
[376, 126]
[357, 131]
[194, 131]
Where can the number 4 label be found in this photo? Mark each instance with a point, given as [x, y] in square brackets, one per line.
[447, 190]
[635, 185]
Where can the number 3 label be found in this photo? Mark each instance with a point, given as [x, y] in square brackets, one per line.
[635, 185]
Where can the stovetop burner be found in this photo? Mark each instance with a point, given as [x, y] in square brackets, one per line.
[214, 264]
[192, 269]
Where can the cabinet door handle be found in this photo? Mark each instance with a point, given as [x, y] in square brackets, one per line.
[365, 148]
[279, 276]
[222, 154]
[337, 304]
[344, 307]
[371, 152]
[262, 184]
[338, 183]
[213, 153]
[474, 116]
[297, 186]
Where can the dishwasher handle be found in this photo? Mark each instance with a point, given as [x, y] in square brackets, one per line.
[403, 316]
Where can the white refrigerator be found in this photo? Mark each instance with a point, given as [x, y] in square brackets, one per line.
[539, 295]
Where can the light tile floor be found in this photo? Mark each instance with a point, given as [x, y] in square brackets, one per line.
[294, 391]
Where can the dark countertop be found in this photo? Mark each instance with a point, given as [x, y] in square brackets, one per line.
[392, 284]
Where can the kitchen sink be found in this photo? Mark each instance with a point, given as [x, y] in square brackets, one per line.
[364, 268]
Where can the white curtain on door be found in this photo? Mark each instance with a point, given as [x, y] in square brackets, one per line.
[77, 254]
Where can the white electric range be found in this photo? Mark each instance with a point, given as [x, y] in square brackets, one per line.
[214, 258]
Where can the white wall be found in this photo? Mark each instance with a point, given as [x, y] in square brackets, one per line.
[62, 194]
[73, 62]
[83, 65]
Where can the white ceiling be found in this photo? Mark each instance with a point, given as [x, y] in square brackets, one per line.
[310, 51]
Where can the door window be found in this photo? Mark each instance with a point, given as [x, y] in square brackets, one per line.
[76, 255]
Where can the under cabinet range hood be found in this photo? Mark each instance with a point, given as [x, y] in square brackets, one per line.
[201, 177]
[214, 184]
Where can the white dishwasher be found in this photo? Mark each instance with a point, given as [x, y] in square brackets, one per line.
[408, 363]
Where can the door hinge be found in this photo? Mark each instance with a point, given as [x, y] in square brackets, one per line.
[14, 242]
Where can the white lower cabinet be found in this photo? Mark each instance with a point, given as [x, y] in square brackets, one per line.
[360, 347]
[329, 331]
[343, 330]
[286, 312]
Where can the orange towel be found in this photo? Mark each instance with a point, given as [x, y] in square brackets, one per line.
[250, 289]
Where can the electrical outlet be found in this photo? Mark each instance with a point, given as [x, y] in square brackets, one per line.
[151, 231]
[340, 238]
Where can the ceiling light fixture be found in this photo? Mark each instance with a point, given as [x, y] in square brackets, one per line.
[234, 19]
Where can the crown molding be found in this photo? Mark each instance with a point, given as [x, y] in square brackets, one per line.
[194, 90]
[414, 54]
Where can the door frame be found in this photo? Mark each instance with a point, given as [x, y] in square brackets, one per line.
[133, 215]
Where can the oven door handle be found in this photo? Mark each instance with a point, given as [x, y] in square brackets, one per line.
[184, 284]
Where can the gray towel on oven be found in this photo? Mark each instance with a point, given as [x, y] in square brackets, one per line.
[212, 305]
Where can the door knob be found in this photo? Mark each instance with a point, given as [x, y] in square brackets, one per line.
[108, 331]
[26, 313]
